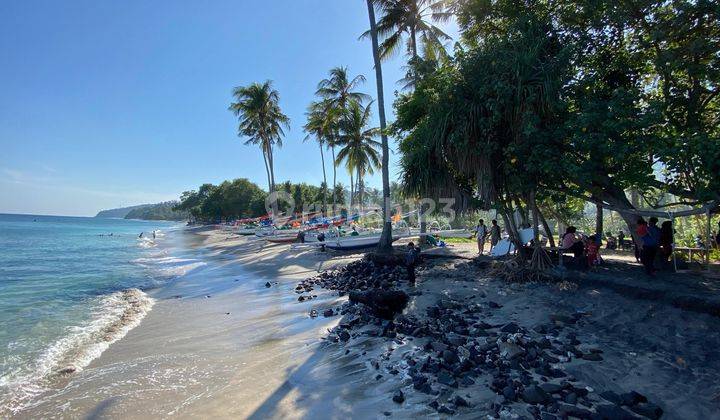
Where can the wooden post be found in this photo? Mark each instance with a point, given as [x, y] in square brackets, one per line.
[707, 239]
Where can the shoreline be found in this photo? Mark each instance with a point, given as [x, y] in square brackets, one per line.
[233, 339]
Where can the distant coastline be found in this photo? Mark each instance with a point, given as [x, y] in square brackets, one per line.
[160, 211]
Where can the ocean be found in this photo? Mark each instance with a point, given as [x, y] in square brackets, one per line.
[69, 288]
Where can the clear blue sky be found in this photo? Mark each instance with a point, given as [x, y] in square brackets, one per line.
[107, 104]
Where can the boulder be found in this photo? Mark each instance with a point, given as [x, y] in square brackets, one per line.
[535, 395]
[384, 303]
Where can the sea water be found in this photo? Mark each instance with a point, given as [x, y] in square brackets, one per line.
[69, 288]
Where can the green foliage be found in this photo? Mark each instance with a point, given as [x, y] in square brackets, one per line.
[569, 101]
[160, 211]
[235, 199]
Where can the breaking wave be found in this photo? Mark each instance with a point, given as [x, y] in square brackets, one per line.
[112, 317]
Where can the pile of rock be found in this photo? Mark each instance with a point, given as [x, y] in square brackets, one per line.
[359, 275]
[457, 348]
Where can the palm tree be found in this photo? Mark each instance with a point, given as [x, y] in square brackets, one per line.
[385, 244]
[260, 120]
[411, 18]
[337, 92]
[316, 126]
[359, 149]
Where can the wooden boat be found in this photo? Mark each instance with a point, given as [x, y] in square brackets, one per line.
[281, 239]
[348, 243]
[246, 231]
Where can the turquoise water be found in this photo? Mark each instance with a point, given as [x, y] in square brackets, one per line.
[69, 288]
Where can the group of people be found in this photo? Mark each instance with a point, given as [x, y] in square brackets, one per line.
[655, 241]
[585, 249]
[482, 232]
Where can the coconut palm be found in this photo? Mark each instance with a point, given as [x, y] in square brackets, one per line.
[411, 19]
[385, 244]
[260, 120]
[359, 149]
[337, 92]
[319, 127]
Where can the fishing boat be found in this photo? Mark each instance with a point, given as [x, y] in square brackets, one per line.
[281, 239]
[246, 230]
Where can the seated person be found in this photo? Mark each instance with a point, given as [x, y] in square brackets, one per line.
[571, 243]
[592, 250]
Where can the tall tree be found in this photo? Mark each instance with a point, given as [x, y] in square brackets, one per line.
[317, 126]
[406, 20]
[385, 244]
[359, 149]
[261, 120]
[337, 92]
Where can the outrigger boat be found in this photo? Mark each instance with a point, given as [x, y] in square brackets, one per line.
[281, 239]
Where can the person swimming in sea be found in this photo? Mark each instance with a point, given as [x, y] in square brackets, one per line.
[141, 234]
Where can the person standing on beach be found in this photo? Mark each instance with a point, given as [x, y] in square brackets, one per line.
[494, 234]
[411, 257]
[481, 232]
[649, 235]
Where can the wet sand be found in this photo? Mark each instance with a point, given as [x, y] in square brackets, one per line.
[219, 343]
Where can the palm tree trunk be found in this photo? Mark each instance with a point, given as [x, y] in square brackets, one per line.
[325, 185]
[272, 167]
[385, 244]
[352, 189]
[334, 180]
[267, 169]
[360, 189]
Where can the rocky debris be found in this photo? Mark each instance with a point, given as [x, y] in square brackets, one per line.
[267, 284]
[328, 313]
[458, 344]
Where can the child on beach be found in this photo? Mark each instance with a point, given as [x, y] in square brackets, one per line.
[411, 258]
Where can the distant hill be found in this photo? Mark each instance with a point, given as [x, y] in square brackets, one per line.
[119, 213]
[159, 211]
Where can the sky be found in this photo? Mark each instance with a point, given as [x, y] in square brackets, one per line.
[110, 104]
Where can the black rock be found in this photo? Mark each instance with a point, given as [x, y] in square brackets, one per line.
[631, 398]
[494, 305]
[551, 388]
[344, 335]
[460, 401]
[510, 328]
[446, 378]
[612, 412]
[328, 312]
[648, 410]
[398, 397]
[571, 398]
[535, 395]
[450, 357]
[593, 357]
[509, 393]
[268, 284]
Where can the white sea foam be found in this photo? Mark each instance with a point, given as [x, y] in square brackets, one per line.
[113, 316]
[181, 270]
